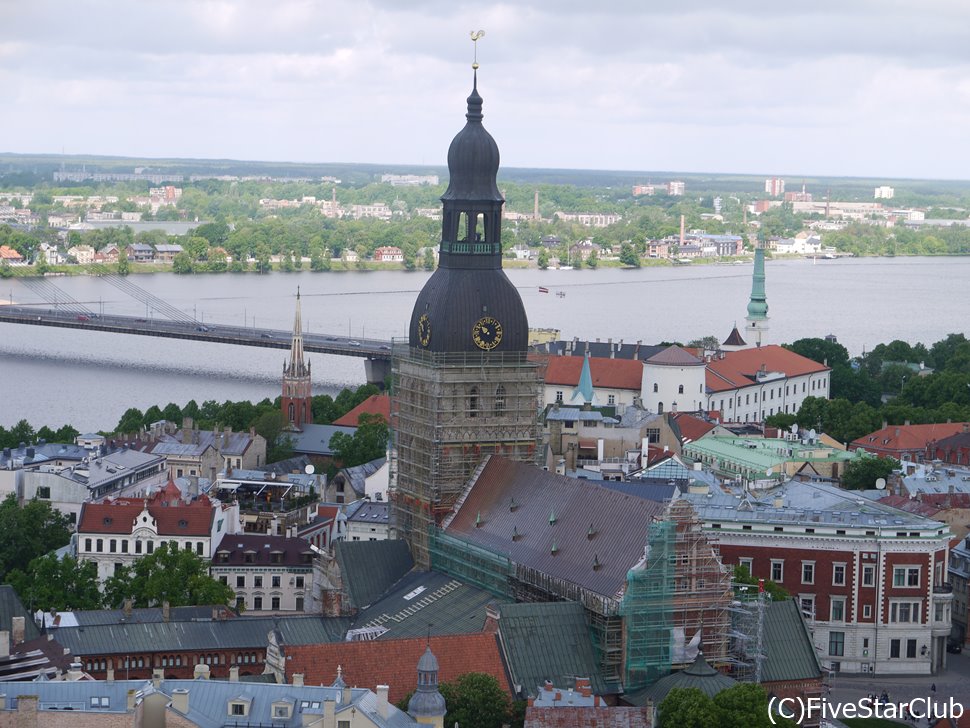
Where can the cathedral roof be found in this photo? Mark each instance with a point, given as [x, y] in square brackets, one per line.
[473, 157]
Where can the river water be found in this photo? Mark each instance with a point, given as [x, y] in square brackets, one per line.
[87, 379]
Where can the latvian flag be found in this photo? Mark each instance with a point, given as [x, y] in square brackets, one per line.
[542, 289]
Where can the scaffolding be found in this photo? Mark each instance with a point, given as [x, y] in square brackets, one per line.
[676, 602]
[448, 412]
[747, 648]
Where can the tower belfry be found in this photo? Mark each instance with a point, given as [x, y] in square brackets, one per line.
[297, 399]
[463, 386]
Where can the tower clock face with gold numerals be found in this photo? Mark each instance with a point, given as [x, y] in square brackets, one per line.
[424, 330]
[487, 333]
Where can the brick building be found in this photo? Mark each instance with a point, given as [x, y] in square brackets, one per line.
[870, 579]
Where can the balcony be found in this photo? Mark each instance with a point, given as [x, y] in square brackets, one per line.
[944, 588]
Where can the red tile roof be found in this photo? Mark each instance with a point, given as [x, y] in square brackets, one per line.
[395, 662]
[906, 438]
[118, 516]
[606, 373]
[376, 404]
[692, 428]
[8, 253]
[675, 356]
[909, 505]
[739, 368]
[609, 717]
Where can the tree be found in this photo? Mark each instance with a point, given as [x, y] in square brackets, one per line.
[476, 700]
[593, 260]
[172, 413]
[182, 263]
[28, 532]
[823, 351]
[745, 705]
[368, 442]
[123, 267]
[59, 584]
[686, 708]
[775, 590]
[862, 473]
[629, 255]
[543, 259]
[131, 421]
[168, 575]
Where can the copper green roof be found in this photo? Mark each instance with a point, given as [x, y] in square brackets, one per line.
[370, 568]
[549, 641]
[699, 675]
[789, 651]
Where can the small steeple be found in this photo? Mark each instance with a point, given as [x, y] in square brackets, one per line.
[298, 367]
[427, 704]
[585, 387]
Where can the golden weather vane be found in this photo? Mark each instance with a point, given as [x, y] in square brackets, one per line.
[476, 34]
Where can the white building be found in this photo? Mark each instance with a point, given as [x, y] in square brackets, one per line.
[673, 380]
[369, 522]
[268, 573]
[884, 193]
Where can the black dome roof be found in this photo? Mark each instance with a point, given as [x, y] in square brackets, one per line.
[473, 158]
[455, 299]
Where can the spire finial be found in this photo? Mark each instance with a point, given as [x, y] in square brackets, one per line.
[298, 292]
[476, 34]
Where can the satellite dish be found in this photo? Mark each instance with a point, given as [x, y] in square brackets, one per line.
[794, 428]
[881, 483]
[812, 434]
[309, 469]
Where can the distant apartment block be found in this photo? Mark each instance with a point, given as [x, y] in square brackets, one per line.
[595, 219]
[775, 186]
[84, 176]
[389, 254]
[378, 210]
[639, 190]
[802, 196]
[430, 212]
[884, 193]
[409, 180]
[675, 189]
[167, 195]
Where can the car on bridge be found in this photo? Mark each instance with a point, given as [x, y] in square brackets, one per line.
[354, 343]
[201, 328]
[81, 317]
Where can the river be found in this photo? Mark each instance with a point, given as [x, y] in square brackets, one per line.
[87, 379]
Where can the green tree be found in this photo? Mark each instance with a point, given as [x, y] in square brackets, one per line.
[29, 531]
[686, 708]
[593, 260]
[476, 700]
[823, 351]
[182, 263]
[773, 588]
[543, 260]
[123, 267]
[629, 255]
[41, 266]
[862, 473]
[59, 584]
[131, 421]
[368, 442]
[745, 705]
[172, 413]
[168, 575]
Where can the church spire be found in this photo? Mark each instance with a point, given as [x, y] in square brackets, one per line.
[297, 399]
[298, 366]
[757, 317]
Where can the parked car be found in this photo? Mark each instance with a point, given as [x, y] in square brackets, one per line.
[953, 646]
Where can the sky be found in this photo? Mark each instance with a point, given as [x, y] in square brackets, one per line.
[841, 88]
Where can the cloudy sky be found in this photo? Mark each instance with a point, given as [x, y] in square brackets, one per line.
[830, 87]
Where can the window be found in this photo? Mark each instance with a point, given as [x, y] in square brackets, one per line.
[257, 582]
[281, 711]
[300, 580]
[112, 546]
[910, 648]
[99, 701]
[239, 709]
[777, 570]
[44, 493]
[150, 546]
[87, 544]
[559, 395]
[838, 574]
[473, 402]
[867, 611]
[240, 602]
[906, 576]
[747, 562]
[299, 604]
[837, 644]
[224, 579]
[198, 548]
[499, 400]
[808, 572]
[124, 546]
[276, 582]
[807, 603]
[905, 612]
[343, 724]
[837, 611]
[894, 648]
[240, 582]
[680, 389]
[656, 387]
[611, 399]
[257, 603]
[99, 545]
[276, 603]
[868, 576]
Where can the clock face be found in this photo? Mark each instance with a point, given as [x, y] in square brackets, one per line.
[487, 333]
[424, 330]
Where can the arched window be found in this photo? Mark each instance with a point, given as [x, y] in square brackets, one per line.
[656, 388]
[499, 400]
[660, 408]
[473, 402]
[680, 389]
[292, 412]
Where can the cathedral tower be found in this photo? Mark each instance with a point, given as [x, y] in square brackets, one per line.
[297, 399]
[463, 386]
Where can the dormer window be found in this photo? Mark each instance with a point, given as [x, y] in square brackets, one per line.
[183, 523]
[276, 557]
[282, 711]
[239, 707]
[249, 557]
[108, 520]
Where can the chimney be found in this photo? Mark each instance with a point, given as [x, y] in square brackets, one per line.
[583, 687]
[4, 644]
[74, 672]
[201, 672]
[345, 696]
[298, 679]
[166, 611]
[329, 713]
[111, 675]
[17, 627]
[180, 700]
[157, 677]
[382, 700]
[132, 698]
[127, 608]
[234, 673]
[492, 617]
